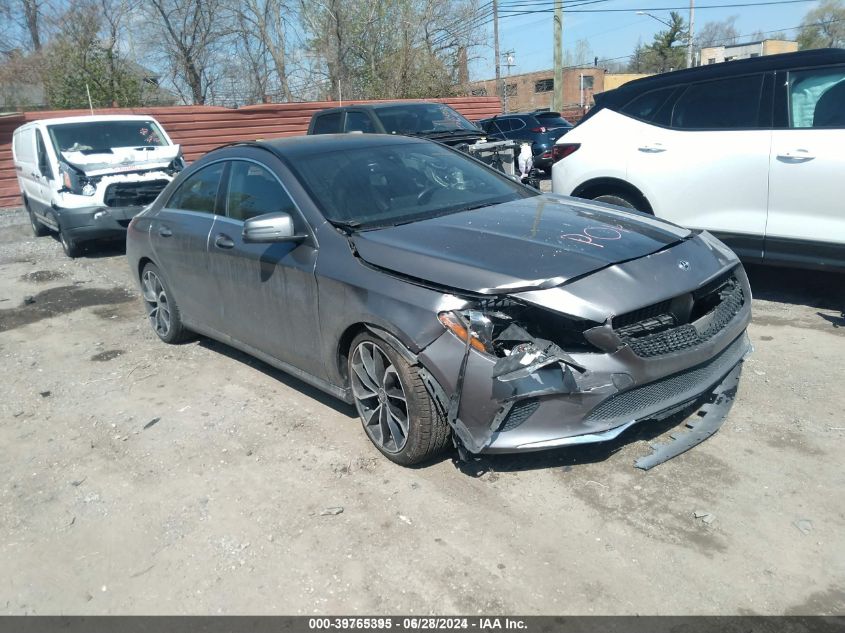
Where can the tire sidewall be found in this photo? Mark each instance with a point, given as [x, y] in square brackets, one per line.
[177, 329]
[418, 412]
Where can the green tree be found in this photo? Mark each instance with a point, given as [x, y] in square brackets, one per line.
[81, 60]
[666, 52]
[824, 26]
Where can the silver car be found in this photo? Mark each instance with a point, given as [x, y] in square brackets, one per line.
[448, 303]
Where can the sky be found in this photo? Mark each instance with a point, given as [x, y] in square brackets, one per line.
[615, 34]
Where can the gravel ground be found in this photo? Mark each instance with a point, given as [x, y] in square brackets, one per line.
[137, 477]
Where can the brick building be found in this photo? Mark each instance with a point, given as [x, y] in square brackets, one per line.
[530, 91]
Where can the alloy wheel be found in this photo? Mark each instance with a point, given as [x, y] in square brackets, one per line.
[158, 307]
[379, 397]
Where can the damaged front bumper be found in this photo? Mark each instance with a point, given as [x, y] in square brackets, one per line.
[540, 396]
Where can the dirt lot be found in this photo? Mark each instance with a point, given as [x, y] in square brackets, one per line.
[137, 477]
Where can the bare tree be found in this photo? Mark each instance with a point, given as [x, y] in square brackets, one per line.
[261, 30]
[718, 33]
[193, 33]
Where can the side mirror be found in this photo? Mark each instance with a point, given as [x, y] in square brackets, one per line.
[271, 227]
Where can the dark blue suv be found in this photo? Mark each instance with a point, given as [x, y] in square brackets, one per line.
[541, 128]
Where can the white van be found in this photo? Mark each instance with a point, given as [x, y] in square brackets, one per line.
[86, 177]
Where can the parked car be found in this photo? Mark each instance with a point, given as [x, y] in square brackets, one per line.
[750, 150]
[541, 128]
[436, 121]
[85, 177]
[441, 297]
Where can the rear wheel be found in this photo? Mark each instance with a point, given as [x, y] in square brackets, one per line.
[396, 411]
[38, 229]
[616, 200]
[162, 311]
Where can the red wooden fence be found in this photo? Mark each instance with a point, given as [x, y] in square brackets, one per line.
[202, 128]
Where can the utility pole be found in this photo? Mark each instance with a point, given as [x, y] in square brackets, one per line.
[496, 50]
[557, 89]
[690, 58]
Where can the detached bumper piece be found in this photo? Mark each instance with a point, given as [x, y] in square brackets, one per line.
[710, 418]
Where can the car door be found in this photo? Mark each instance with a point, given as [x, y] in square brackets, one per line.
[703, 160]
[498, 128]
[26, 166]
[179, 235]
[806, 222]
[268, 292]
[47, 178]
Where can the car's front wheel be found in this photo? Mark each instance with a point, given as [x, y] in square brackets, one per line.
[396, 410]
[616, 200]
[70, 246]
[162, 311]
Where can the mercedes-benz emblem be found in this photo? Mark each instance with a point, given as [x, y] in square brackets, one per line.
[683, 264]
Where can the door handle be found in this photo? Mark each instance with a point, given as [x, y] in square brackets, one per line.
[224, 241]
[796, 154]
[164, 231]
[652, 148]
[34, 174]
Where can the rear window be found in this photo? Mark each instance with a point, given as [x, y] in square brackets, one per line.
[646, 106]
[725, 104]
[327, 124]
[552, 119]
[98, 136]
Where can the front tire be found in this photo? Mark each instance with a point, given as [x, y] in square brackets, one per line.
[162, 311]
[396, 411]
[70, 246]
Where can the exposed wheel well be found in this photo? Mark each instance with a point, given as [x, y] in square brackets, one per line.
[144, 261]
[343, 344]
[611, 186]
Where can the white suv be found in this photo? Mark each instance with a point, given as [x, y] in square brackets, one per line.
[752, 151]
[86, 177]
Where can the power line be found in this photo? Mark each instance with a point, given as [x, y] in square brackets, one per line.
[767, 3]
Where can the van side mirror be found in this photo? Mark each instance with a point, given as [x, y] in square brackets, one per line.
[270, 227]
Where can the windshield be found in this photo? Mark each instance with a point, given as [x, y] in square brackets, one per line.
[422, 118]
[384, 186]
[92, 137]
[552, 119]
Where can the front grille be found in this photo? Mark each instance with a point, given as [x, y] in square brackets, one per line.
[519, 413]
[133, 194]
[687, 321]
[660, 395]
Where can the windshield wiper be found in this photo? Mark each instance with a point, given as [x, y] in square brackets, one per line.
[98, 150]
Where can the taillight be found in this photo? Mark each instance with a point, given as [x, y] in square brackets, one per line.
[562, 150]
[538, 129]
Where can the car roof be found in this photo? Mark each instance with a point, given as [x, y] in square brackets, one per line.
[765, 63]
[378, 106]
[93, 119]
[300, 146]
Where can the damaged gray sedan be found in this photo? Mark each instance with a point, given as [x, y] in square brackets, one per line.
[448, 303]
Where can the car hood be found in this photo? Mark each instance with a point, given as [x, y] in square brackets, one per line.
[528, 244]
[122, 159]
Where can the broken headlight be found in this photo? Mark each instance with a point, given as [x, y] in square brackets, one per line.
[74, 181]
[492, 325]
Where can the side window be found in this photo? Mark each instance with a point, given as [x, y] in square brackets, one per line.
[23, 146]
[817, 98]
[253, 191]
[646, 105]
[517, 124]
[358, 122]
[725, 104]
[199, 191]
[328, 123]
[43, 158]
